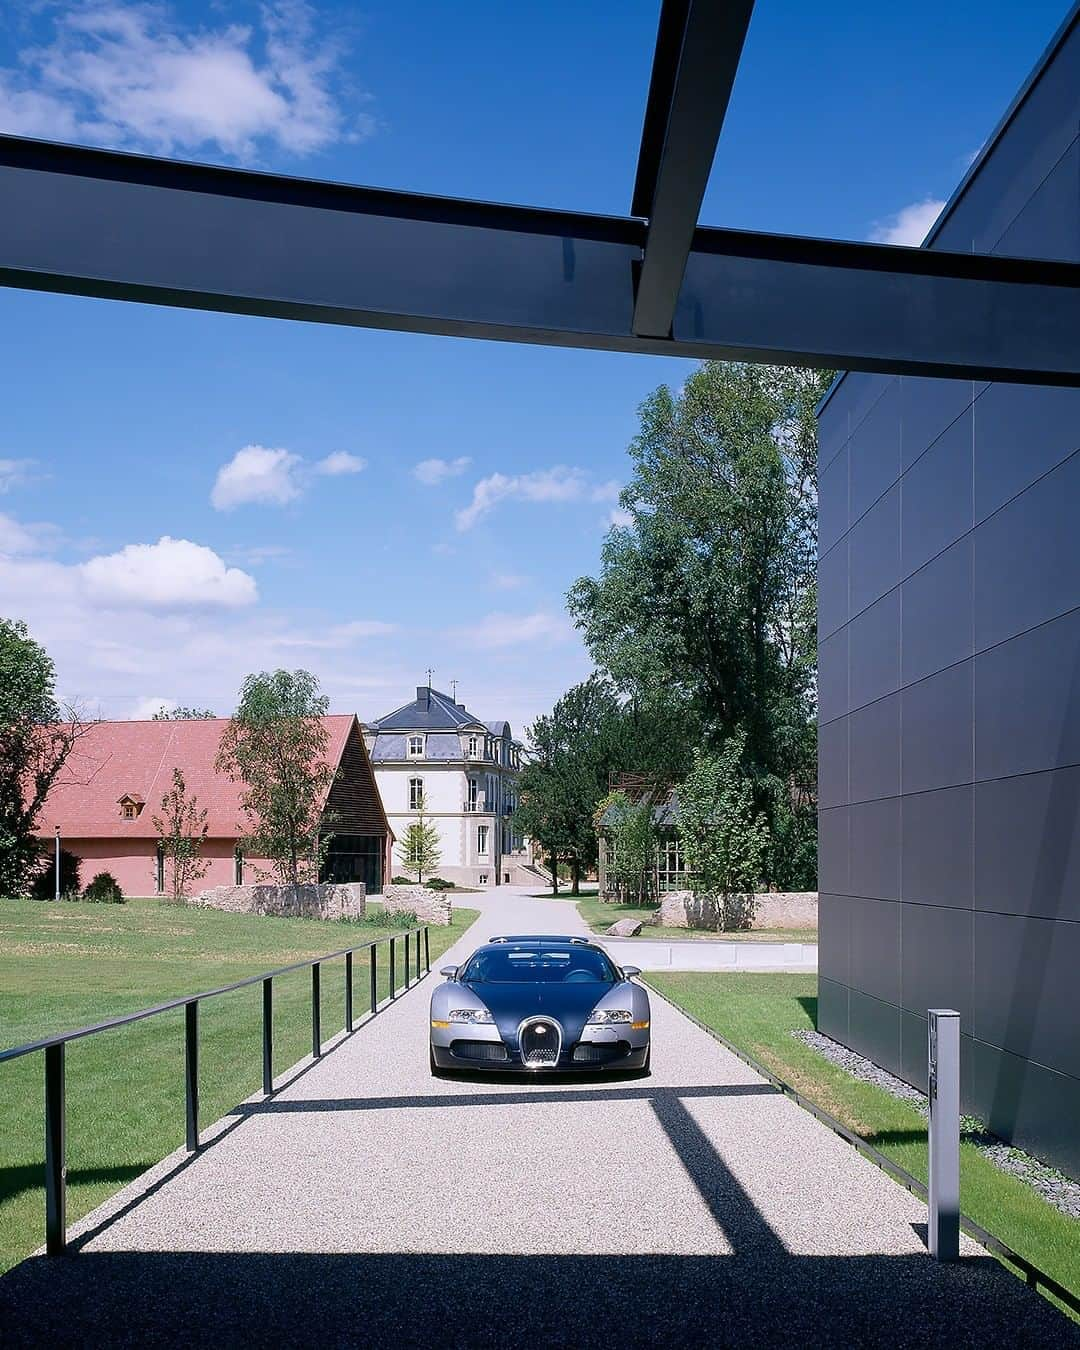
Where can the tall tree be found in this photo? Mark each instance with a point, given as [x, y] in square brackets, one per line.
[181, 828]
[275, 744]
[36, 738]
[707, 598]
[420, 845]
[182, 714]
[724, 836]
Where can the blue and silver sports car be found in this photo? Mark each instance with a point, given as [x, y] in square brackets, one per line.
[539, 1003]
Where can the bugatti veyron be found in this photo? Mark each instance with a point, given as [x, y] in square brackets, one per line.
[536, 1003]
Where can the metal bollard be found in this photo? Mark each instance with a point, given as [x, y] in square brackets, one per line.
[943, 1227]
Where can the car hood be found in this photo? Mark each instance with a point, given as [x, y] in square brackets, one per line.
[569, 1004]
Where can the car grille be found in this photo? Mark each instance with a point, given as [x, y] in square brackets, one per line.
[540, 1041]
[489, 1051]
[600, 1054]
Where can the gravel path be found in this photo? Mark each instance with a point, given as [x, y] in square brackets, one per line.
[368, 1203]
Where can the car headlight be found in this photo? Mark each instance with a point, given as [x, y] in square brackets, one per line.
[470, 1015]
[602, 1016]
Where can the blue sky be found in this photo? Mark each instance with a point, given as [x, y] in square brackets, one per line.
[185, 497]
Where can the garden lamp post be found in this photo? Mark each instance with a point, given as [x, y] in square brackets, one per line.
[57, 862]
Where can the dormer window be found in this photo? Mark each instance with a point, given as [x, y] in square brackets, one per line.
[130, 806]
[416, 747]
[473, 747]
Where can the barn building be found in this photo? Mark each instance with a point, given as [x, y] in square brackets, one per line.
[112, 785]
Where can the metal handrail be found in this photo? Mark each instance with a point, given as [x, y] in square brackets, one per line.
[53, 1049]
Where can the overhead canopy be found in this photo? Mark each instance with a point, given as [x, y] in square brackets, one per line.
[101, 223]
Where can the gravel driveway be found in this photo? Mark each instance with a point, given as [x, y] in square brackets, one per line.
[369, 1204]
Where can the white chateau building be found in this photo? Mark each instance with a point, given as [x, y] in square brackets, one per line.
[466, 772]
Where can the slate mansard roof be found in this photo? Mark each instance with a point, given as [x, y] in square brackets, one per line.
[441, 720]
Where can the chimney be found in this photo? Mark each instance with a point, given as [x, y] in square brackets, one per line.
[423, 695]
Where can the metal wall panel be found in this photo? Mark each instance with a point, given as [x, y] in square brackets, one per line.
[984, 852]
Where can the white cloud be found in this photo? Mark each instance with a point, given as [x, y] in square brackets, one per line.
[559, 484]
[910, 225]
[171, 574]
[17, 538]
[256, 474]
[339, 636]
[127, 75]
[13, 472]
[514, 630]
[506, 581]
[431, 472]
[618, 519]
[607, 492]
[340, 462]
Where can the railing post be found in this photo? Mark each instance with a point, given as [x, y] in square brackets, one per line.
[316, 1013]
[268, 1037]
[55, 1151]
[373, 980]
[348, 991]
[427, 948]
[393, 967]
[406, 973]
[419, 972]
[191, 1072]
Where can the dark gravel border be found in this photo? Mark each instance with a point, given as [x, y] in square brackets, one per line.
[1054, 1187]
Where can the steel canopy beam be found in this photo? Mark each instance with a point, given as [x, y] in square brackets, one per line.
[100, 223]
[698, 46]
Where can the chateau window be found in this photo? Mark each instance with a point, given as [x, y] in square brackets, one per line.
[482, 840]
[416, 793]
[416, 747]
[473, 794]
[473, 747]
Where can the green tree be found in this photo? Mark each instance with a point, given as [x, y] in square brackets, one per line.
[275, 744]
[706, 599]
[420, 845]
[165, 714]
[632, 840]
[181, 828]
[36, 738]
[725, 838]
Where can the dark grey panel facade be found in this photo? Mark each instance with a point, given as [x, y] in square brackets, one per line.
[950, 686]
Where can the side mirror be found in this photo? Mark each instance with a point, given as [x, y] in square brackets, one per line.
[630, 971]
[449, 971]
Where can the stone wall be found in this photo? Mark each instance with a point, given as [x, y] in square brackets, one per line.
[772, 909]
[428, 906]
[345, 901]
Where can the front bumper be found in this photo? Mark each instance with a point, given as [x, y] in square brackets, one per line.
[489, 1056]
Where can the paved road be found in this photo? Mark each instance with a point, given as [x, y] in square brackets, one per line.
[368, 1204]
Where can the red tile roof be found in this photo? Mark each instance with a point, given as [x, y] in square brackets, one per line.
[136, 759]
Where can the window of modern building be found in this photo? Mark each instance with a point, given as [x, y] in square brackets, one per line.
[416, 793]
[671, 866]
[482, 840]
[416, 747]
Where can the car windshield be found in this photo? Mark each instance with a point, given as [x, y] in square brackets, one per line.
[507, 965]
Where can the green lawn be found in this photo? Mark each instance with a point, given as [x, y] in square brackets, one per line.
[67, 965]
[757, 1013]
[600, 915]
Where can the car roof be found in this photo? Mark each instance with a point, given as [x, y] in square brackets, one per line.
[541, 941]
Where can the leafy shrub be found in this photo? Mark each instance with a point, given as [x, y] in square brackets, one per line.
[439, 884]
[104, 889]
[43, 886]
[386, 918]
[402, 881]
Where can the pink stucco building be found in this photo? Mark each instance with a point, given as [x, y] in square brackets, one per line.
[112, 785]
